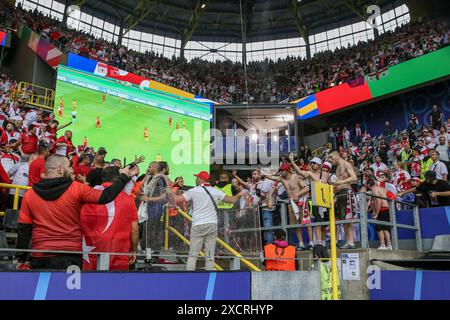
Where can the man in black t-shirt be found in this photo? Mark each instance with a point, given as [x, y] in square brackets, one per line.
[436, 118]
[437, 192]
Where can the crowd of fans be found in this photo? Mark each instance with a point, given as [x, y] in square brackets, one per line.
[410, 165]
[268, 81]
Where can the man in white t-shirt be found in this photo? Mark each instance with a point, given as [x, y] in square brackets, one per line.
[204, 218]
[378, 167]
[442, 148]
[438, 166]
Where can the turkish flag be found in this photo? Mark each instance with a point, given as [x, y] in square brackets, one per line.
[107, 228]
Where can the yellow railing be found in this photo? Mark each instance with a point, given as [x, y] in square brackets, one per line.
[35, 95]
[318, 152]
[220, 241]
[181, 237]
[16, 194]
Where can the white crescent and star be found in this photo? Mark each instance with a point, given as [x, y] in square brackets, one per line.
[111, 209]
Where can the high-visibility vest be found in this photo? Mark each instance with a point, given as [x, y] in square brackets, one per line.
[227, 190]
[271, 251]
[404, 156]
[426, 165]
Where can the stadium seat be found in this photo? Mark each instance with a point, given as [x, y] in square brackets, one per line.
[10, 221]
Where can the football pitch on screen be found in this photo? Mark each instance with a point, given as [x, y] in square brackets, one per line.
[122, 126]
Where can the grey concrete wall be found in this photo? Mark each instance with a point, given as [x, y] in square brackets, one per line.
[298, 285]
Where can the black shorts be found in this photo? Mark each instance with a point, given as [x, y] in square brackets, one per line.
[318, 217]
[383, 216]
[341, 203]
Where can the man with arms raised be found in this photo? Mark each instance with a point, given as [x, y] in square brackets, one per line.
[315, 175]
[297, 191]
[50, 214]
[344, 198]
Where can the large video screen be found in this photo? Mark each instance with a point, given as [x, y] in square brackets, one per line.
[129, 121]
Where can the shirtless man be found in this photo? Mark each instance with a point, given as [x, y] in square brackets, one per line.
[315, 175]
[296, 190]
[380, 212]
[344, 198]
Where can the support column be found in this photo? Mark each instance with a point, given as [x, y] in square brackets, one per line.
[66, 3]
[308, 48]
[120, 36]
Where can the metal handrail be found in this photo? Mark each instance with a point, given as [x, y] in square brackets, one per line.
[364, 220]
[225, 245]
[16, 194]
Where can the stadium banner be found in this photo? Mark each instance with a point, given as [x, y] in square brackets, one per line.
[125, 286]
[381, 83]
[412, 285]
[105, 70]
[5, 39]
[142, 95]
[44, 49]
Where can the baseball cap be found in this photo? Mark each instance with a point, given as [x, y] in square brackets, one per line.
[316, 160]
[285, 167]
[327, 165]
[101, 151]
[203, 175]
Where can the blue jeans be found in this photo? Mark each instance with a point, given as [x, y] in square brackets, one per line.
[268, 222]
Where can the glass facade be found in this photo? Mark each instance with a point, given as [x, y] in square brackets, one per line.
[337, 36]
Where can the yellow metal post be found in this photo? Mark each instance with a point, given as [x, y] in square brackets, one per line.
[334, 268]
[16, 199]
[166, 230]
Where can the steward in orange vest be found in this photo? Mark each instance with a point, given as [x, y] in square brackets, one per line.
[279, 249]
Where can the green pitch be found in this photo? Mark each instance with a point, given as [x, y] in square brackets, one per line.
[122, 129]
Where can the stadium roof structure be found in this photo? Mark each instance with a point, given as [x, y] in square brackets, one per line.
[228, 20]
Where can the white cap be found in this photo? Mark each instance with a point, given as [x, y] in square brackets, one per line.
[328, 165]
[316, 160]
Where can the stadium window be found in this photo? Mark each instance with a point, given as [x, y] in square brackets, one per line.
[109, 27]
[133, 34]
[170, 42]
[343, 31]
[347, 40]
[45, 3]
[86, 18]
[320, 37]
[59, 7]
[97, 22]
[158, 39]
[147, 37]
[360, 26]
[370, 34]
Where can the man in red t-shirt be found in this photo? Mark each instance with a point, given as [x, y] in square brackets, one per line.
[110, 228]
[50, 214]
[28, 142]
[82, 166]
[64, 145]
[37, 167]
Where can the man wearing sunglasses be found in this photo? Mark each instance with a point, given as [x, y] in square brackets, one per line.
[315, 175]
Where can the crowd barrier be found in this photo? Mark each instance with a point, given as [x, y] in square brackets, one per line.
[240, 240]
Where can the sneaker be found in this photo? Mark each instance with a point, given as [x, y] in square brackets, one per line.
[348, 246]
[382, 247]
[308, 247]
[389, 247]
[300, 247]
